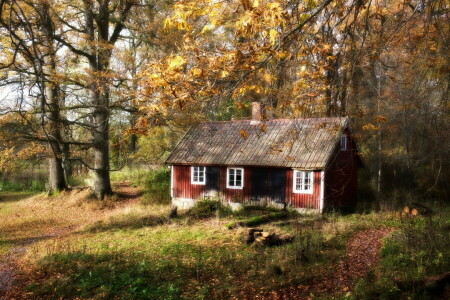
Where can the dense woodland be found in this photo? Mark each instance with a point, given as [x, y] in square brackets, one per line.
[94, 94]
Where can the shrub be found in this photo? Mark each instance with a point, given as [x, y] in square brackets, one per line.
[157, 186]
[208, 208]
[34, 185]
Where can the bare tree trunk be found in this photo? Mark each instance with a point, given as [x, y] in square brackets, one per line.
[102, 184]
[57, 180]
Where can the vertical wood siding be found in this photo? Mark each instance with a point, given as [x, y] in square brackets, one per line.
[341, 177]
[182, 187]
[236, 195]
[299, 200]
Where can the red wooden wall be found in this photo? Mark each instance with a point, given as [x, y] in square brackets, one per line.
[182, 187]
[341, 177]
[300, 200]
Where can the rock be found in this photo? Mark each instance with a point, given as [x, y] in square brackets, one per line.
[265, 234]
[173, 212]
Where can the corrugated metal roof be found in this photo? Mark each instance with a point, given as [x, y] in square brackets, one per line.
[296, 143]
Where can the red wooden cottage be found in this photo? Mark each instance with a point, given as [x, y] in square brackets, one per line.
[308, 164]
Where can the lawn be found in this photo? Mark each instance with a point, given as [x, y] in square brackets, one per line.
[122, 248]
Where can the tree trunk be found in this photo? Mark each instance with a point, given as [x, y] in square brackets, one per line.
[51, 99]
[102, 184]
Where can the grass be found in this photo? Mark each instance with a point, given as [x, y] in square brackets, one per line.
[131, 250]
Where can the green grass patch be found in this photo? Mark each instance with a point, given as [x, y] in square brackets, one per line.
[180, 260]
[34, 185]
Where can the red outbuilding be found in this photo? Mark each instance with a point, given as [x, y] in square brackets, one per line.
[308, 164]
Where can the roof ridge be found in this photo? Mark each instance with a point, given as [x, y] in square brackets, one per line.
[281, 119]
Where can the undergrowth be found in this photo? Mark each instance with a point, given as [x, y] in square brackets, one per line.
[156, 183]
[418, 250]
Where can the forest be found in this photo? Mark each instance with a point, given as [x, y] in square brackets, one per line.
[95, 94]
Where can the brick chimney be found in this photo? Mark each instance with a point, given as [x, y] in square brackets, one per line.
[257, 111]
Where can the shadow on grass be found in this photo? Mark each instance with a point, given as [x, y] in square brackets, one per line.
[126, 222]
[24, 241]
[106, 276]
[126, 196]
[14, 197]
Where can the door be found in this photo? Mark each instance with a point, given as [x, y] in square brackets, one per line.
[276, 185]
[212, 180]
[259, 184]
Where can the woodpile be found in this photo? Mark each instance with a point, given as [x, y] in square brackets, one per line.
[416, 209]
[259, 237]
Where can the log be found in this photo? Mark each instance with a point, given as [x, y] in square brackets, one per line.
[435, 285]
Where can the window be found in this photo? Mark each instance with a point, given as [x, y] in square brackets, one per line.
[303, 182]
[198, 175]
[344, 142]
[235, 178]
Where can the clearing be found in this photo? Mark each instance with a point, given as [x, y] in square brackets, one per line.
[71, 246]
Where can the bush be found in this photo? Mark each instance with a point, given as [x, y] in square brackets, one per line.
[34, 185]
[208, 208]
[157, 186]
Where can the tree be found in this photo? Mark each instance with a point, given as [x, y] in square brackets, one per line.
[33, 52]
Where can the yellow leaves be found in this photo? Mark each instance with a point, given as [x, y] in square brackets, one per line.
[263, 127]
[243, 133]
[196, 72]
[370, 126]
[207, 28]
[5, 158]
[267, 77]
[273, 6]
[273, 34]
[224, 74]
[176, 62]
[380, 119]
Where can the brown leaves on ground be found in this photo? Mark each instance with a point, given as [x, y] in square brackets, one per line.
[40, 218]
[361, 256]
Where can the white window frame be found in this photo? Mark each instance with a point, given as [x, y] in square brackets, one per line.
[228, 179]
[301, 175]
[344, 141]
[193, 170]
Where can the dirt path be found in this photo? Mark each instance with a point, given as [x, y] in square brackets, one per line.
[362, 254]
[9, 262]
